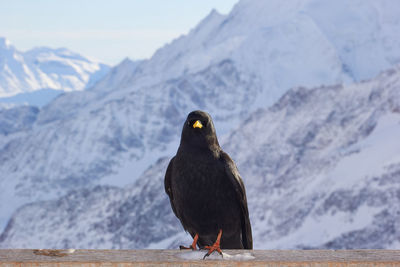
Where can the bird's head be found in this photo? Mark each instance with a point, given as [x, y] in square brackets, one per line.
[198, 131]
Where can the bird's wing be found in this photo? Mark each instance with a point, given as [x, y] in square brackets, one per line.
[234, 176]
[167, 185]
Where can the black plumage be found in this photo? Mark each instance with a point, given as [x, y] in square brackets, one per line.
[205, 189]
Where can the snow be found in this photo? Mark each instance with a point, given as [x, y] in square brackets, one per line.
[378, 149]
[345, 37]
[133, 171]
[316, 231]
[199, 254]
[239, 257]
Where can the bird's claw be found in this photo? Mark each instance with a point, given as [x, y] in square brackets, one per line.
[193, 245]
[215, 246]
[190, 247]
[211, 249]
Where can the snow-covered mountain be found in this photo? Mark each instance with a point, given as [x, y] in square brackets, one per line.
[300, 42]
[45, 68]
[322, 166]
[229, 65]
[321, 169]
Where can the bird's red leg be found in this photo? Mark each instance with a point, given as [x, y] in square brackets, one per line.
[215, 246]
[193, 245]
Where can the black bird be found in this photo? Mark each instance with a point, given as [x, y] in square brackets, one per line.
[206, 191]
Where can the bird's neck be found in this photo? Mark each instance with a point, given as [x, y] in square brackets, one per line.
[212, 150]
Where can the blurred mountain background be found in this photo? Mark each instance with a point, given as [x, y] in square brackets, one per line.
[305, 96]
[36, 76]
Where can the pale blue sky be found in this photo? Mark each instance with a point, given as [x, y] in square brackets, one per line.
[103, 29]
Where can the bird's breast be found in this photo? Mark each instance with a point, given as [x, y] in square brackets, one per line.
[203, 194]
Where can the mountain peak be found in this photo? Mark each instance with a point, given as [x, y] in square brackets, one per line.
[4, 43]
[214, 12]
[213, 18]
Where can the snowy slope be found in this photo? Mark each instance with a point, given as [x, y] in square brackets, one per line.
[17, 119]
[321, 169]
[229, 65]
[45, 68]
[324, 170]
[103, 217]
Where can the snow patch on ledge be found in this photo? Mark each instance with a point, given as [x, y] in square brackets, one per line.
[199, 254]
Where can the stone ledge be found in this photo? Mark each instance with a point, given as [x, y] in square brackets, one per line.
[271, 258]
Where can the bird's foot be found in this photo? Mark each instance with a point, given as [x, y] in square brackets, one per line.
[215, 246]
[193, 245]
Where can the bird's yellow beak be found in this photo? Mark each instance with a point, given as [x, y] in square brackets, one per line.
[197, 124]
